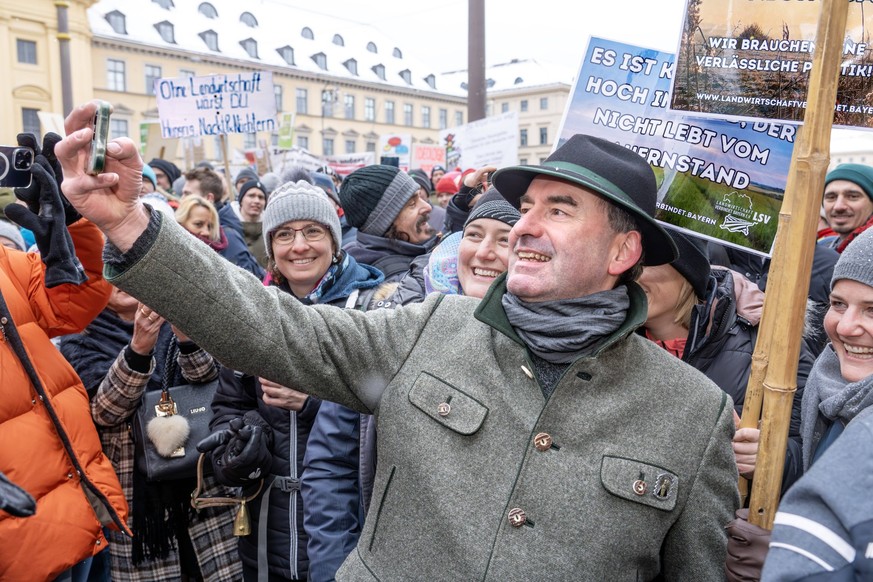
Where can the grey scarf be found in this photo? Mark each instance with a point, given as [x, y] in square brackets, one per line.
[828, 396]
[561, 331]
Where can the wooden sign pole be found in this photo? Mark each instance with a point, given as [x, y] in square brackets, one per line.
[788, 286]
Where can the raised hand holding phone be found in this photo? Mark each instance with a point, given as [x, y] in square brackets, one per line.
[111, 199]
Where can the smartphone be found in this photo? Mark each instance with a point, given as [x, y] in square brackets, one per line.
[100, 125]
[15, 164]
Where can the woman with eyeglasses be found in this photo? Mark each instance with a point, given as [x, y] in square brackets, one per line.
[260, 428]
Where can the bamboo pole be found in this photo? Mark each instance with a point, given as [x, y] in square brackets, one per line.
[788, 285]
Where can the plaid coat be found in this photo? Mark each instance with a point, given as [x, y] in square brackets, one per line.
[211, 530]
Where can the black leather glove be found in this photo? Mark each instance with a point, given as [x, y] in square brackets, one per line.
[747, 548]
[14, 500]
[31, 194]
[240, 454]
[49, 227]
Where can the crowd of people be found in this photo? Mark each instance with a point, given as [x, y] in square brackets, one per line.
[494, 374]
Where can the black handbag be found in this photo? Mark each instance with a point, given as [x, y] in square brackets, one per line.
[164, 449]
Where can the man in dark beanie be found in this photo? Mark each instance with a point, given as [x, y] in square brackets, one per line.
[848, 203]
[382, 202]
[524, 435]
[166, 173]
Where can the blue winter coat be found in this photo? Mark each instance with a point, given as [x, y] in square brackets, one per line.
[238, 393]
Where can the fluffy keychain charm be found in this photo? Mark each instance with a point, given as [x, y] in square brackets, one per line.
[168, 431]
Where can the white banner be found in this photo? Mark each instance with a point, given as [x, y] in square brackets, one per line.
[216, 104]
[492, 141]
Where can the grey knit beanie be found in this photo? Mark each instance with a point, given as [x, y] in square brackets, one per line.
[494, 205]
[13, 233]
[856, 262]
[299, 201]
[373, 196]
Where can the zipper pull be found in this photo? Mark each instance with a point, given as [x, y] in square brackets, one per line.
[3, 322]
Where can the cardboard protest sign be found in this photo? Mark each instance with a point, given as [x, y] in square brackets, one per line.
[751, 59]
[717, 179]
[216, 104]
[492, 141]
[152, 145]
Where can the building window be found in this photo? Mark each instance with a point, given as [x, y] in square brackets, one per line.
[407, 114]
[523, 137]
[251, 47]
[165, 4]
[349, 106]
[406, 75]
[250, 141]
[248, 19]
[207, 10]
[303, 141]
[116, 21]
[524, 105]
[522, 161]
[371, 46]
[30, 121]
[328, 146]
[152, 74]
[287, 54]
[351, 147]
[115, 75]
[26, 51]
[544, 103]
[371, 146]
[380, 71]
[277, 91]
[431, 81]
[338, 40]
[210, 37]
[544, 136]
[397, 53]
[165, 29]
[459, 118]
[320, 60]
[504, 107]
[425, 116]
[302, 98]
[327, 98]
[307, 33]
[118, 128]
[389, 112]
[187, 73]
[352, 66]
[369, 109]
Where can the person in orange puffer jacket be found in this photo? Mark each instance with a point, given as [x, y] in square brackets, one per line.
[48, 443]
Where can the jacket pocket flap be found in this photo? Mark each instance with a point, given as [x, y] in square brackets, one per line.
[447, 405]
[639, 482]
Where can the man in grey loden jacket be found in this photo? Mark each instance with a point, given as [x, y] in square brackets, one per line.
[529, 436]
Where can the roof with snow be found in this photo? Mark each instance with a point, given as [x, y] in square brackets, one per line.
[266, 33]
[514, 75]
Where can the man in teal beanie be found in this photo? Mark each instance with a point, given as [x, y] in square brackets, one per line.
[848, 203]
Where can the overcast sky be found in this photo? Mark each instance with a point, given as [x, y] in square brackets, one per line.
[552, 31]
[555, 31]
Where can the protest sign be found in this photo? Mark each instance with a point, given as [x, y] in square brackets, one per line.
[286, 131]
[152, 145]
[492, 141]
[345, 164]
[396, 145]
[717, 179]
[426, 156]
[751, 59]
[216, 104]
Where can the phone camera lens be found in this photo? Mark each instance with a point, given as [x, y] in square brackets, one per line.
[23, 160]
